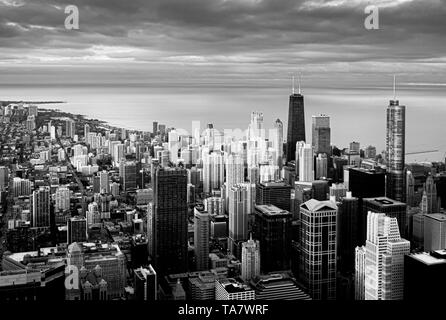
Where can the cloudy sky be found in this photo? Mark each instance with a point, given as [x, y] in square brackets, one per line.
[221, 40]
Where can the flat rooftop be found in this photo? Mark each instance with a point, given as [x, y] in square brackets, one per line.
[428, 259]
[271, 210]
[384, 201]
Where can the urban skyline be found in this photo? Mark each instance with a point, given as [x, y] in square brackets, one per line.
[275, 192]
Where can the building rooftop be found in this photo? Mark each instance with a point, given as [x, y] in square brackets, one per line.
[271, 210]
[277, 184]
[316, 205]
[437, 216]
[428, 258]
[232, 285]
[384, 201]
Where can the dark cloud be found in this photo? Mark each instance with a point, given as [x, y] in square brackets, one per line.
[230, 36]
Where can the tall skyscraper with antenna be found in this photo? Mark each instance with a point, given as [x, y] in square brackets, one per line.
[296, 123]
[395, 145]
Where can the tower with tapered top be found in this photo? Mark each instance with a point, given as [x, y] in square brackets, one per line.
[296, 123]
[395, 146]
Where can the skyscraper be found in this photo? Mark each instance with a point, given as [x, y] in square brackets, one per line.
[429, 200]
[296, 123]
[306, 161]
[201, 238]
[62, 199]
[321, 134]
[275, 193]
[235, 172]
[250, 259]
[434, 232]
[383, 275]
[70, 128]
[238, 215]
[76, 229]
[169, 231]
[318, 248]
[321, 166]
[104, 184]
[395, 144]
[146, 284]
[4, 177]
[273, 230]
[347, 233]
[127, 172]
[277, 141]
[41, 207]
[392, 208]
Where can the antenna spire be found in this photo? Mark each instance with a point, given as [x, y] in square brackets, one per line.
[394, 87]
[293, 84]
[298, 81]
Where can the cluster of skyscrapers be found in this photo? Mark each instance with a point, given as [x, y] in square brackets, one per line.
[207, 215]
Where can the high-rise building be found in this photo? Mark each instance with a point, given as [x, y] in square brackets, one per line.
[410, 189]
[277, 141]
[201, 238]
[306, 164]
[273, 230]
[76, 229]
[321, 166]
[62, 199]
[41, 207]
[383, 275]
[21, 187]
[434, 232]
[392, 208]
[70, 128]
[127, 172]
[169, 220]
[395, 147]
[250, 259]
[4, 177]
[155, 128]
[424, 278]
[429, 200]
[321, 134]
[296, 123]
[146, 284]
[86, 131]
[347, 233]
[238, 215]
[367, 183]
[235, 171]
[360, 273]
[104, 185]
[318, 248]
[275, 193]
[213, 171]
[337, 190]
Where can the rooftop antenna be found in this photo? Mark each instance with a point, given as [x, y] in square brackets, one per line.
[298, 81]
[293, 84]
[394, 87]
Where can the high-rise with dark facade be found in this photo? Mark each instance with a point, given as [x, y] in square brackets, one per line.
[424, 276]
[367, 183]
[347, 233]
[273, 230]
[77, 229]
[321, 134]
[318, 248]
[275, 193]
[392, 208]
[296, 124]
[169, 231]
[395, 144]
